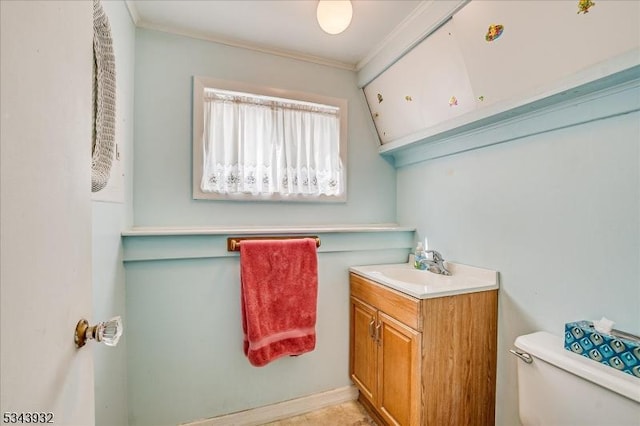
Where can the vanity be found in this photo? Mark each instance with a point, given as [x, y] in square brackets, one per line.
[423, 345]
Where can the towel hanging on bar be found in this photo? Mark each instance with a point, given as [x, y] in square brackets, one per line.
[279, 288]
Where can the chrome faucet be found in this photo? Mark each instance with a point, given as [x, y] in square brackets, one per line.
[436, 265]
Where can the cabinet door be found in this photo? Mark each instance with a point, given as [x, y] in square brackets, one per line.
[544, 43]
[399, 372]
[362, 365]
[416, 92]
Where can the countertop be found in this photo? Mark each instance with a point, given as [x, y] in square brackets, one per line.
[424, 284]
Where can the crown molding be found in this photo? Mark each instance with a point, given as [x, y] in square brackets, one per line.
[133, 11]
[424, 5]
[420, 24]
[242, 45]
[426, 8]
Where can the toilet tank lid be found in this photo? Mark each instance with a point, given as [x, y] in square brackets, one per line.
[550, 348]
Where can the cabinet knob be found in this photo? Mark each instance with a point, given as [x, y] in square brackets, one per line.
[107, 332]
[372, 332]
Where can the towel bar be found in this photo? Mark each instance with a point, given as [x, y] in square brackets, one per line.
[233, 243]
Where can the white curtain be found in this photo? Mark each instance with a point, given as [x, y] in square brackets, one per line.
[264, 145]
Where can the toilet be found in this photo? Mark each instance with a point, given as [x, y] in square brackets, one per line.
[559, 388]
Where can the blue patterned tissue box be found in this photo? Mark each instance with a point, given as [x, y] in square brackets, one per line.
[618, 352]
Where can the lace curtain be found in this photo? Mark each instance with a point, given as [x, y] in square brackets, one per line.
[264, 145]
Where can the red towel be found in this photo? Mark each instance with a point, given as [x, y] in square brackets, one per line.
[279, 298]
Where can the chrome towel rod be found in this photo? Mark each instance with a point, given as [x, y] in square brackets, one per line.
[233, 243]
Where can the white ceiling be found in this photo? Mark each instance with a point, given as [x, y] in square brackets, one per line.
[285, 27]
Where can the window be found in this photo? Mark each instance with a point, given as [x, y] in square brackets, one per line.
[252, 143]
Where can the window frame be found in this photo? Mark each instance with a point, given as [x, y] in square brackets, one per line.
[201, 83]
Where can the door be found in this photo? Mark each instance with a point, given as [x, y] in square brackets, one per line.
[363, 348]
[399, 372]
[45, 226]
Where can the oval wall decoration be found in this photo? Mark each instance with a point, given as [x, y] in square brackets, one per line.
[104, 99]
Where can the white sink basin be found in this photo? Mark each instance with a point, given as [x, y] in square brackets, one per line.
[414, 276]
[424, 284]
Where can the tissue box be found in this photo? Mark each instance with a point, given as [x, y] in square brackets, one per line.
[617, 352]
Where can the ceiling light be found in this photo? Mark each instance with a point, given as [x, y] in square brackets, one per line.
[334, 16]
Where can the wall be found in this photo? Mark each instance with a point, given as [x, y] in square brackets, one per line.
[556, 213]
[109, 219]
[165, 66]
[185, 355]
[185, 350]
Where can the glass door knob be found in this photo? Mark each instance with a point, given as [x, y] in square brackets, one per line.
[107, 332]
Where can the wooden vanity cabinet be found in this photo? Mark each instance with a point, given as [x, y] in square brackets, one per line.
[428, 362]
[386, 363]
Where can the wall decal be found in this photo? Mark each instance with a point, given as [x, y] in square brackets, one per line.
[494, 32]
[408, 98]
[453, 101]
[584, 6]
[481, 98]
[380, 98]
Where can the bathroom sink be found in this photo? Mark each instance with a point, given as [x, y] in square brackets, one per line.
[414, 276]
[424, 284]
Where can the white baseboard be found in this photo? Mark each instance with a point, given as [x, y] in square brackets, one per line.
[282, 410]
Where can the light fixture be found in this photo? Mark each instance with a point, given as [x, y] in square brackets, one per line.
[334, 16]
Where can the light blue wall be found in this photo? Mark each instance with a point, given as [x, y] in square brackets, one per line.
[165, 66]
[185, 334]
[109, 219]
[557, 214]
[185, 355]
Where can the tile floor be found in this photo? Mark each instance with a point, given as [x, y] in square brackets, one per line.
[347, 414]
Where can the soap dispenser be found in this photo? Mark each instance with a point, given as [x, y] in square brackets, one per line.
[419, 257]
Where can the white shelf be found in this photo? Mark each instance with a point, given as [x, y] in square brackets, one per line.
[255, 230]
